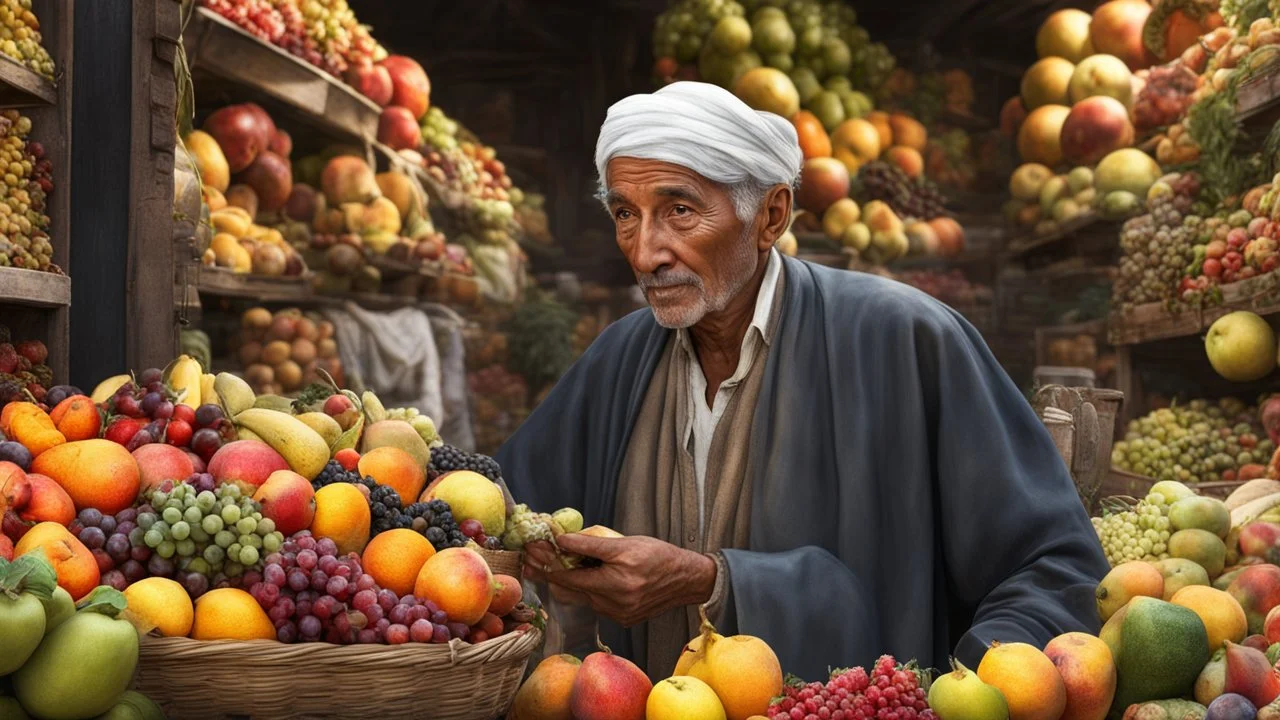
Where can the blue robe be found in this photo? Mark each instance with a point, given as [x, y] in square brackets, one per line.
[906, 498]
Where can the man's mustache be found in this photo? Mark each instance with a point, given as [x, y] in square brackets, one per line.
[669, 278]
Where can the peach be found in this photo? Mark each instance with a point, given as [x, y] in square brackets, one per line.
[608, 687]
[95, 473]
[823, 181]
[1257, 589]
[545, 695]
[247, 463]
[1088, 673]
[460, 582]
[1029, 680]
[348, 179]
[1257, 538]
[342, 515]
[1271, 626]
[77, 418]
[907, 159]
[158, 462]
[76, 569]
[289, 500]
[1094, 128]
[1125, 582]
[508, 595]
[395, 468]
[49, 502]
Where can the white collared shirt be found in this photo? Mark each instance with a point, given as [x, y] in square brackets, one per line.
[703, 419]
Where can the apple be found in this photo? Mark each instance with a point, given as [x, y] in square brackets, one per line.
[337, 404]
[288, 499]
[683, 698]
[1241, 347]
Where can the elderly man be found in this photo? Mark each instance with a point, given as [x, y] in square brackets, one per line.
[828, 460]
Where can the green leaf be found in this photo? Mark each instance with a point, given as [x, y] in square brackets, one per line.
[348, 439]
[105, 600]
[29, 573]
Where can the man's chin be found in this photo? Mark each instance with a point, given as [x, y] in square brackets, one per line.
[676, 318]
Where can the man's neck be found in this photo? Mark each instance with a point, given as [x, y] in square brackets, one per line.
[717, 338]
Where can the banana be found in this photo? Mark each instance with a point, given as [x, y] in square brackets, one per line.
[185, 376]
[235, 393]
[373, 409]
[247, 434]
[208, 393]
[108, 387]
[274, 402]
[300, 446]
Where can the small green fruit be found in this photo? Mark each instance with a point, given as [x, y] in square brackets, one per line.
[961, 695]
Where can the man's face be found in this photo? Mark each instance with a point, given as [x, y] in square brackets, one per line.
[679, 231]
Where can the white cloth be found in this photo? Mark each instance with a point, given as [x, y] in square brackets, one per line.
[704, 418]
[705, 128]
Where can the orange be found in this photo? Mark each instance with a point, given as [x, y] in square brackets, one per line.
[394, 558]
[1223, 616]
[814, 141]
[161, 604]
[230, 614]
[342, 515]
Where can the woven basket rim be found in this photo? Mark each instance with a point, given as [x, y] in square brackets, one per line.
[459, 652]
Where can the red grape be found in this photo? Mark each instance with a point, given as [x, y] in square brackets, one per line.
[471, 528]
[336, 586]
[364, 600]
[105, 563]
[178, 433]
[205, 442]
[151, 375]
[298, 580]
[421, 631]
[439, 633]
[387, 599]
[367, 637]
[150, 402]
[163, 411]
[400, 615]
[366, 582]
[397, 634]
[318, 580]
[207, 415]
[326, 547]
[287, 633]
[115, 579]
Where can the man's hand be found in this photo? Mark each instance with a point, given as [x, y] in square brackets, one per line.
[641, 577]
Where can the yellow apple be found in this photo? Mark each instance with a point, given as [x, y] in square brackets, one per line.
[683, 698]
[1241, 347]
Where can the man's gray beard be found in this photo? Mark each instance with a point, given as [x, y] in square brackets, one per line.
[686, 316]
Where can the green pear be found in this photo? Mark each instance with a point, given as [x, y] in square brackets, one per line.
[960, 695]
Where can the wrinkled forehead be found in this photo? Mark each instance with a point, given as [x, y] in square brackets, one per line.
[627, 178]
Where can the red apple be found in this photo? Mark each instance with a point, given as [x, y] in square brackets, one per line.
[288, 499]
[372, 81]
[337, 404]
[398, 129]
[1094, 128]
[823, 181]
[248, 463]
[271, 179]
[158, 462]
[281, 143]
[411, 89]
[240, 133]
[301, 205]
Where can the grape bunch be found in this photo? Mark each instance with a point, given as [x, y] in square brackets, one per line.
[341, 39]
[909, 198]
[1197, 442]
[1141, 533]
[890, 692]
[110, 538]
[27, 182]
[434, 520]
[20, 37]
[448, 458]
[425, 426]
[438, 130]
[312, 594]
[679, 31]
[1157, 247]
[207, 536]
[1165, 97]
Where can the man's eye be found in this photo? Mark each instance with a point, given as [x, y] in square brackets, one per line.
[682, 209]
[622, 214]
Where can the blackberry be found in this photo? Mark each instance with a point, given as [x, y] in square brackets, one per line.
[448, 458]
[384, 506]
[333, 472]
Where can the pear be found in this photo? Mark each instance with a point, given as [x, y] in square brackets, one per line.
[960, 695]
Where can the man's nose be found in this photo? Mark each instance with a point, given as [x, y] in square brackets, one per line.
[652, 250]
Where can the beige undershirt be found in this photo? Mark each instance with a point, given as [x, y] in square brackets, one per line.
[704, 419]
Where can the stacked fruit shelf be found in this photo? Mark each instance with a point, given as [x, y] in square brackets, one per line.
[231, 65]
[36, 304]
[1167, 340]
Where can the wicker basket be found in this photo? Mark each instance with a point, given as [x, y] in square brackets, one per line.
[503, 562]
[263, 679]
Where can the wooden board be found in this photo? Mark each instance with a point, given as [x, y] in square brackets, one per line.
[34, 288]
[20, 87]
[1023, 244]
[1154, 321]
[1258, 95]
[218, 47]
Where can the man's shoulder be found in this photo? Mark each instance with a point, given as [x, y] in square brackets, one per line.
[852, 294]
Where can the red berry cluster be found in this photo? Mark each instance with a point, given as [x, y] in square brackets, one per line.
[891, 692]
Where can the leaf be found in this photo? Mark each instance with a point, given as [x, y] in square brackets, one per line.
[105, 600]
[348, 439]
[29, 573]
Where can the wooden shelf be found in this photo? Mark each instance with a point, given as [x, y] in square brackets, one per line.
[1258, 95]
[277, 290]
[1024, 244]
[218, 47]
[1154, 321]
[20, 87]
[34, 288]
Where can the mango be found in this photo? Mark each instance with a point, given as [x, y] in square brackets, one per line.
[1257, 589]
[1088, 673]
[1202, 547]
[1179, 573]
[1028, 679]
[1160, 649]
[1125, 582]
[1201, 513]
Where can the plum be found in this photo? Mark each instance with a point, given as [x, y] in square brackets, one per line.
[1231, 707]
[16, 453]
[56, 394]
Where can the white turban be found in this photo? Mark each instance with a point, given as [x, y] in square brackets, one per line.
[704, 128]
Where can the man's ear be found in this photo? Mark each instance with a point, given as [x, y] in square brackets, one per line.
[777, 208]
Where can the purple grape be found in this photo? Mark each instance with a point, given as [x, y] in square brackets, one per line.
[274, 575]
[375, 613]
[431, 607]
[400, 615]
[207, 415]
[196, 584]
[327, 547]
[286, 603]
[459, 630]
[269, 594]
[163, 411]
[307, 559]
[151, 375]
[409, 600]
[16, 453]
[303, 607]
[251, 577]
[159, 567]
[439, 617]
[90, 517]
[287, 633]
[107, 524]
[93, 537]
[382, 625]
[367, 637]
[118, 548]
[133, 570]
[439, 633]
[277, 613]
[318, 580]
[125, 528]
[387, 599]
[155, 429]
[139, 552]
[150, 402]
[115, 579]
[298, 581]
[337, 586]
[140, 438]
[156, 387]
[127, 515]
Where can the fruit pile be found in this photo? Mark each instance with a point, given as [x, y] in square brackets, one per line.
[58, 659]
[855, 695]
[1200, 441]
[284, 352]
[1157, 247]
[876, 234]
[20, 38]
[325, 33]
[717, 41]
[23, 369]
[28, 181]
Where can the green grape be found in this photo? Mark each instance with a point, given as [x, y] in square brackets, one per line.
[180, 530]
[271, 543]
[198, 534]
[224, 538]
[192, 515]
[198, 565]
[233, 551]
[266, 526]
[211, 524]
[246, 525]
[205, 501]
[231, 514]
[166, 549]
[185, 548]
[214, 555]
[249, 555]
[153, 538]
[146, 520]
[171, 515]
